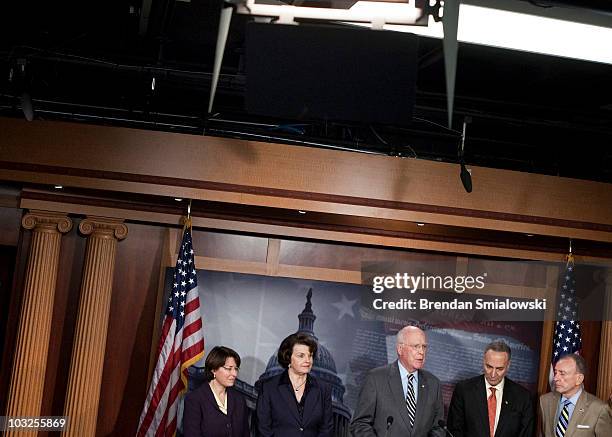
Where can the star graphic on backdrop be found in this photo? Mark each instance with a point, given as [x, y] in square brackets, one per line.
[345, 307]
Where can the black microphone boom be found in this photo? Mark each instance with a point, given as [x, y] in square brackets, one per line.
[389, 423]
[442, 424]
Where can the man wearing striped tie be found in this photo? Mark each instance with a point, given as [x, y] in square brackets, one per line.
[570, 411]
[401, 399]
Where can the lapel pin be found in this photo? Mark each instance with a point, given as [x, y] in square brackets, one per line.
[506, 402]
[581, 410]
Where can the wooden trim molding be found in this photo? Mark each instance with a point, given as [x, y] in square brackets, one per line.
[301, 178]
[317, 226]
[303, 195]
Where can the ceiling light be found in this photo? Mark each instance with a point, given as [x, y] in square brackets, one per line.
[178, 199]
[526, 32]
[301, 212]
[420, 224]
[58, 187]
[374, 11]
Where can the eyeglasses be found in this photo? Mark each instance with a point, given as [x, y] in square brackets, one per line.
[229, 369]
[416, 347]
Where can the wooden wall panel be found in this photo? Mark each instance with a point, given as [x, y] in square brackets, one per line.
[515, 272]
[131, 326]
[13, 316]
[8, 255]
[349, 257]
[591, 335]
[230, 246]
[10, 222]
[301, 178]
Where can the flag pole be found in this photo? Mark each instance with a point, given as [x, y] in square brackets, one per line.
[188, 219]
[180, 345]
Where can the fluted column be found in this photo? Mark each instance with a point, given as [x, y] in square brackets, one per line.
[87, 361]
[604, 376]
[30, 360]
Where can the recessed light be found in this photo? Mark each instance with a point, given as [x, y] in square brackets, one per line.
[529, 235]
[58, 187]
[301, 211]
[178, 199]
[420, 224]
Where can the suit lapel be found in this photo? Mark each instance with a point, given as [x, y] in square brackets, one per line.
[210, 397]
[480, 403]
[395, 386]
[313, 398]
[289, 398]
[581, 407]
[423, 394]
[552, 410]
[230, 402]
[506, 404]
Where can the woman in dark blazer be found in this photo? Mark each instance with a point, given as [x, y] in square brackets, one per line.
[295, 403]
[215, 409]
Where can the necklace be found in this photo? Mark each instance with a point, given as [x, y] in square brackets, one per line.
[299, 386]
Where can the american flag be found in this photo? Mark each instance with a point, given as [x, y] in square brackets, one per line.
[181, 345]
[567, 338]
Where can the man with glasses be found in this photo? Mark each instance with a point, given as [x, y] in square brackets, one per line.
[401, 399]
[491, 405]
[570, 410]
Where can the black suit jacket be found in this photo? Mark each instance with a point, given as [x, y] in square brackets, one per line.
[203, 418]
[278, 415]
[468, 415]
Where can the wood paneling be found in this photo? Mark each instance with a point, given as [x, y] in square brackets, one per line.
[591, 335]
[228, 246]
[520, 273]
[8, 256]
[444, 239]
[300, 178]
[12, 321]
[131, 325]
[350, 257]
[10, 221]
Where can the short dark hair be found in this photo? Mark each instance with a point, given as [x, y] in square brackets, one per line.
[581, 366]
[499, 346]
[216, 358]
[286, 347]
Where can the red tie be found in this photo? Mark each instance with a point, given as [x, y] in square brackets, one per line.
[492, 407]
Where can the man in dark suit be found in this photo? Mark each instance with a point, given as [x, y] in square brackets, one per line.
[401, 399]
[491, 405]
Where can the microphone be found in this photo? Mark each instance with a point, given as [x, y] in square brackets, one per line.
[389, 423]
[442, 424]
